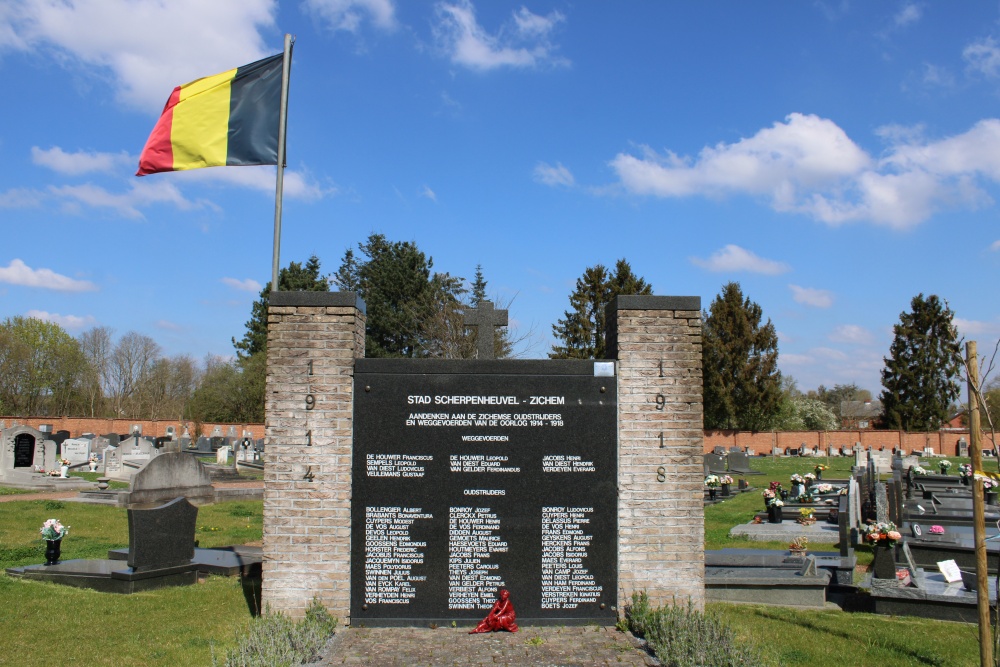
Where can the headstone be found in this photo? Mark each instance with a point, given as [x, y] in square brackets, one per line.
[715, 463]
[963, 447]
[777, 451]
[853, 508]
[204, 444]
[112, 439]
[719, 451]
[735, 449]
[162, 537]
[216, 432]
[485, 319]
[171, 432]
[112, 462]
[171, 475]
[231, 433]
[60, 436]
[22, 451]
[76, 450]
[217, 441]
[222, 455]
[844, 525]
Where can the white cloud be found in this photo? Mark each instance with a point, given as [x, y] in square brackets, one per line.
[429, 194]
[851, 333]
[983, 57]
[81, 162]
[140, 194]
[522, 42]
[19, 273]
[347, 14]
[938, 76]
[546, 174]
[812, 297]
[296, 184]
[65, 321]
[809, 165]
[137, 41]
[167, 325]
[21, 198]
[910, 13]
[246, 285]
[976, 328]
[734, 258]
[995, 245]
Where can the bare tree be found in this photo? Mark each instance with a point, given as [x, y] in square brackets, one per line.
[130, 366]
[97, 347]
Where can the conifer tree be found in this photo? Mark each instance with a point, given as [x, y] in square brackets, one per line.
[742, 383]
[919, 378]
[583, 328]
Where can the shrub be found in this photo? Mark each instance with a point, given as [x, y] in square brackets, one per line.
[274, 640]
[684, 637]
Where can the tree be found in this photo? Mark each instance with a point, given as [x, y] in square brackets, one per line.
[293, 278]
[97, 346]
[920, 374]
[582, 330]
[130, 367]
[41, 368]
[742, 383]
[833, 398]
[229, 391]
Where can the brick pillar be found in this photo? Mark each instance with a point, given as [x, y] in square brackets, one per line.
[661, 517]
[309, 433]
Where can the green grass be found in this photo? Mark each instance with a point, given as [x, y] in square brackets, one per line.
[47, 624]
[11, 491]
[788, 636]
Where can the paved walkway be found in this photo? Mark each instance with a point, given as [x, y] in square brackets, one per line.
[582, 646]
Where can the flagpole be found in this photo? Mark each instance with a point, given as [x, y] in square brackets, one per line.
[279, 182]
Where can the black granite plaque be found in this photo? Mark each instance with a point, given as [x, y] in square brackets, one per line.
[24, 450]
[472, 476]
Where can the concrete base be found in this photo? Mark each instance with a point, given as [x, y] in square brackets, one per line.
[786, 531]
[774, 586]
[107, 576]
[932, 598]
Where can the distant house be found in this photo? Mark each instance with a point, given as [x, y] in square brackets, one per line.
[859, 415]
[957, 421]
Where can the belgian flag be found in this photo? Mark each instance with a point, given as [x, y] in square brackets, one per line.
[229, 119]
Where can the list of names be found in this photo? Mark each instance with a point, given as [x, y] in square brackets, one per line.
[473, 538]
[391, 554]
[566, 582]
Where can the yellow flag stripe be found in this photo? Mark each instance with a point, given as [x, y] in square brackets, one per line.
[199, 134]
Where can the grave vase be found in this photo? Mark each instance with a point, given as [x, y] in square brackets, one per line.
[52, 551]
[93, 466]
[774, 514]
[819, 475]
[784, 494]
[884, 564]
[712, 492]
[991, 497]
[944, 470]
[63, 472]
[725, 490]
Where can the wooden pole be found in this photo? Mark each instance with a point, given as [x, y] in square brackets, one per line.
[978, 521]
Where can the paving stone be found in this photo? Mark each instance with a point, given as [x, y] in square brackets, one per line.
[583, 646]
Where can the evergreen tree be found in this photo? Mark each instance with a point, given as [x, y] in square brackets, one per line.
[582, 330]
[739, 364]
[478, 288]
[346, 278]
[919, 378]
[294, 278]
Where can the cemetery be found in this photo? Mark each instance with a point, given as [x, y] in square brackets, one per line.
[405, 493]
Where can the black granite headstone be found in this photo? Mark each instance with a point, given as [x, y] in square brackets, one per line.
[24, 450]
[112, 438]
[472, 476]
[162, 537]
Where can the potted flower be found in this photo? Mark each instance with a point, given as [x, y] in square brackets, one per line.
[64, 468]
[713, 483]
[989, 489]
[819, 470]
[806, 517]
[882, 536]
[944, 465]
[809, 479]
[823, 488]
[799, 545]
[965, 473]
[774, 511]
[726, 482]
[798, 485]
[920, 471]
[769, 497]
[52, 532]
[93, 463]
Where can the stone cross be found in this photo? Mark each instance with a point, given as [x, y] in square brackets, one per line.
[485, 318]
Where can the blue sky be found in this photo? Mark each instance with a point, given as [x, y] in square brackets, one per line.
[835, 158]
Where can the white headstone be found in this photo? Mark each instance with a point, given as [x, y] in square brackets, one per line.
[76, 450]
[222, 455]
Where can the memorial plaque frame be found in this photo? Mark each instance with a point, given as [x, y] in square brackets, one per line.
[447, 508]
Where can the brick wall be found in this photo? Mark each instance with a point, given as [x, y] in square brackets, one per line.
[156, 428]
[307, 524]
[657, 342]
[941, 442]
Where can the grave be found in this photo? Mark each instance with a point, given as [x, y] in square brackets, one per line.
[76, 451]
[554, 489]
[715, 464]
[167, 476]
[161, 548]
[739, 463]
[23, 451]
[121, 462]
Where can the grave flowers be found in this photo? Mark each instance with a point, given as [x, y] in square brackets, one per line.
[726, 481]
[809, 478]
[819, 470]
[52, 532]
[823, 488]
[774, 511]
[799, 545]
[713, 483]
[944, 465]
[769, 497]
[918, 470]
[798, 485]
[989, 488]
[882, 536]
[965, 473]
[806, 517]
